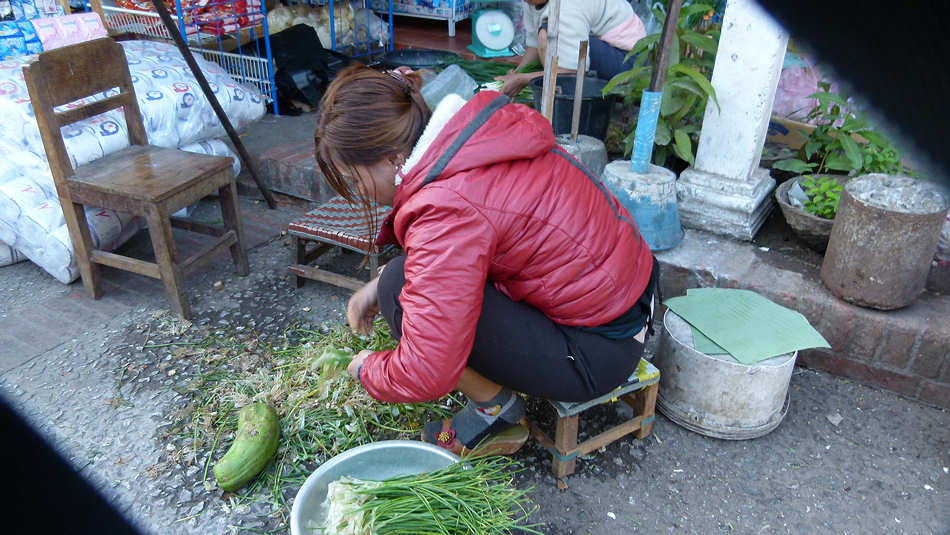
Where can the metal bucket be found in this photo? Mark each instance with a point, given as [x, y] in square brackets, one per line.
[716, 395]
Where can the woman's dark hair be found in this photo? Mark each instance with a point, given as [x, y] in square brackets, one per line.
[365, 117]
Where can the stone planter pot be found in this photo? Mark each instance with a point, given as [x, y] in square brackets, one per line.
[810, 229]
[883, 241]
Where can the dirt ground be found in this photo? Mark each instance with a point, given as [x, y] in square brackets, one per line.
[846, 459]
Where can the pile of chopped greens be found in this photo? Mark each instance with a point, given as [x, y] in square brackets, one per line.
[484, 72]
[322, 410]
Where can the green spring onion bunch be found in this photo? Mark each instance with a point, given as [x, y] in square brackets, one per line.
[474, 497]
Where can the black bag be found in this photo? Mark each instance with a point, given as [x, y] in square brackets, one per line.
[302, 67]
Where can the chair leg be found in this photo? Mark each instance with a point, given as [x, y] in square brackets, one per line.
[166, 256]
[565, 440]
[227, 196]
[645, 405]
[82, 248]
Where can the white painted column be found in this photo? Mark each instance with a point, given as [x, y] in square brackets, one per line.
[726, 191]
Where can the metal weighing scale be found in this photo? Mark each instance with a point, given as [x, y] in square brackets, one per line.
[492, 32]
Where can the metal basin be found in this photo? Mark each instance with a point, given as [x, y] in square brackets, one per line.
[417, 58]
[376, 461]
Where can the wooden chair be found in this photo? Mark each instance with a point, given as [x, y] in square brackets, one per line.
[144, 180]
[639, 391]
[334, 223]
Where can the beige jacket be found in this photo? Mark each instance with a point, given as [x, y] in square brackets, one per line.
[612, 21]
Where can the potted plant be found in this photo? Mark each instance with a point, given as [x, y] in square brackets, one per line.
[685, 92]
[842, 144]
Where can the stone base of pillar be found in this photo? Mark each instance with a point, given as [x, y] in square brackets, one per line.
[723, 205]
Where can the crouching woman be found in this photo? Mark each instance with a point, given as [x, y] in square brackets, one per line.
[521, 273]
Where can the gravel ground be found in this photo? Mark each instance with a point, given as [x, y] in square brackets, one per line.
[108, 403]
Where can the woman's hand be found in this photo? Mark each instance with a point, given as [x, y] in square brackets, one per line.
[514, 82]
[354, 367]
[363, 307]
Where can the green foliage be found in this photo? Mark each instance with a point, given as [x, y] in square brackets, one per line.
[686, 89]
[832, 146]
[823, 192]
[321, 410]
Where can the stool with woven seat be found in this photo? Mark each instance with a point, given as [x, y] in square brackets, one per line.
[639, 391]
[335, 223]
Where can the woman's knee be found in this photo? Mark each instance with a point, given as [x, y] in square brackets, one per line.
[391, 281]
[393, 276]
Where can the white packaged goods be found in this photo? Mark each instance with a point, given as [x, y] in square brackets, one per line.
[9, 255]
[215, 147]
[175, 113]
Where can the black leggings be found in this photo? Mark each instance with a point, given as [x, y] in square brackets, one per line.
[517, 346]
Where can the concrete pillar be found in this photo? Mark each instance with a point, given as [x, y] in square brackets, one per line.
[726, 191]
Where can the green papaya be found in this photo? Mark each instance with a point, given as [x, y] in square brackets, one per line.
[255, 443]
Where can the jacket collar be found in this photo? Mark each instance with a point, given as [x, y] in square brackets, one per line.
[444, 111]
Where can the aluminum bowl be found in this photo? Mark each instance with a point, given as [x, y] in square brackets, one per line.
[375, 461]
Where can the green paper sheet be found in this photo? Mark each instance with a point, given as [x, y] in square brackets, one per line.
[745, 324]
[701, 342]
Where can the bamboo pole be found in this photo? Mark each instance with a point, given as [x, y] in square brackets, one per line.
[550, 60]
[579, 89]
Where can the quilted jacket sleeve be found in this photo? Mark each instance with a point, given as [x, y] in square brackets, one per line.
[448, 245]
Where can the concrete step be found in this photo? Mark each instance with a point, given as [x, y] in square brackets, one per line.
[905, 350]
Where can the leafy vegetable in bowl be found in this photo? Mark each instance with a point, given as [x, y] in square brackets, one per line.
[471, 497]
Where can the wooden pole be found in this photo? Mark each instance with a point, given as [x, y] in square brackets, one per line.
[206, 89]
[652, 98]
[550, 60]
[579, 89]
[666, 44]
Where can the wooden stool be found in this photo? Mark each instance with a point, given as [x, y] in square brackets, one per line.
[639, 392]
[334, 223]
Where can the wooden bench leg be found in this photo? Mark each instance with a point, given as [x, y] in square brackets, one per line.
[298, 256]
[565, 440]
[229, 212]
[373, 266]
[166, 256]
[645, 405]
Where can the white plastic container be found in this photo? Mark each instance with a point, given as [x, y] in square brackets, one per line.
[452, 79]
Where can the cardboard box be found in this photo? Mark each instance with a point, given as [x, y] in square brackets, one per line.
[792, 133]
[788, 132]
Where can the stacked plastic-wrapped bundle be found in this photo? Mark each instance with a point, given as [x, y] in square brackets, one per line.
[175, 114]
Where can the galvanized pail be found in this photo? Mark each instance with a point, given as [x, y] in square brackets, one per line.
[716, 395]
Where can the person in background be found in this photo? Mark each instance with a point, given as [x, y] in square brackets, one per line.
[610, 26]
[521, 273]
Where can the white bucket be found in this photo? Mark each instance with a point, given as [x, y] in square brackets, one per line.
[716, 395]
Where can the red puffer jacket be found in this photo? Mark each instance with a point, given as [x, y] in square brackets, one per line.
[493, 198]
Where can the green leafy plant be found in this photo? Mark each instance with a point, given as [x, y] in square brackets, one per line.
[823, 192]
[686, 89]
[842, 141]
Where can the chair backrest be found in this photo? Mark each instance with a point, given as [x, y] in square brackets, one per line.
[65, 75]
